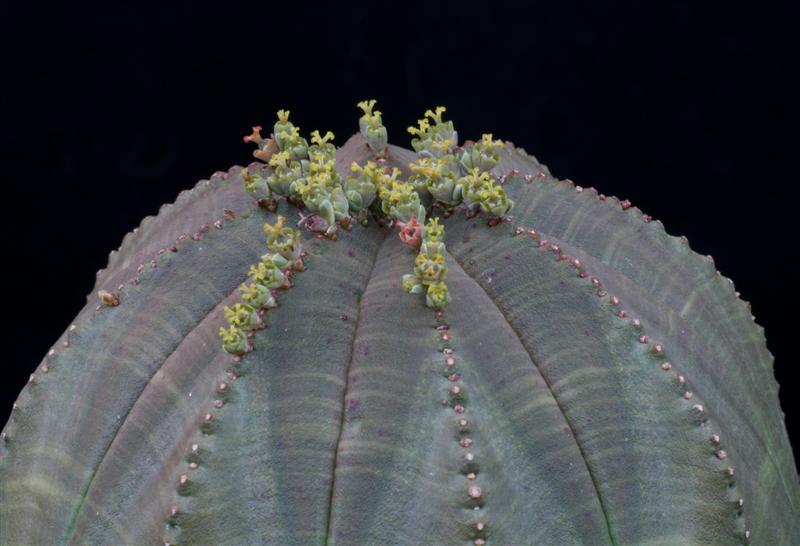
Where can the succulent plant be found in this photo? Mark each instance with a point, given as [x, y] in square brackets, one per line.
[250, 368]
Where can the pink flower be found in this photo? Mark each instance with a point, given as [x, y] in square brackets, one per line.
[411, 233]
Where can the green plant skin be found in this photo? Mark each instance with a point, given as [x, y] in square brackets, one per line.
[334, 430]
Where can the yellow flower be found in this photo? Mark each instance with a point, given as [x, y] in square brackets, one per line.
[424, 125]
[436, 116]
[316, 139]
[273, 232]
[367, 106]
[279, 159]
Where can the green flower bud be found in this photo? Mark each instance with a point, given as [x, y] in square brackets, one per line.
[321, 148]
[267, 273]
[285, 173]
[371, 127]
[288, 138]
[474, 183]
[402, 202]
[256, 185]
[257, 295]
[431, 248]
[434, 140]
[234, 340]
[437, 296]
[297, 148]
[495, 202]
[377, 138]
[437, 176]
[430, 268]
[412, 284]
[360, 193]
[483, 154]
[242, 316]
[283, 240]
[341, 206]
[434, 231]
[283, 127]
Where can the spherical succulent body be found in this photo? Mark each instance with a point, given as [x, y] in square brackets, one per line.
[376, 345]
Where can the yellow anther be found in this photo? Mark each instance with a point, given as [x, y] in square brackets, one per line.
[279, 159]
[487, 143]
[229, 335]
[436, 116]
[366, 106]
[316, 139]
[442, 145]
[283, 115]
[424, 125]
[276, 229]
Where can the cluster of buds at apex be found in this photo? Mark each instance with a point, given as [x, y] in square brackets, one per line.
[285, 153]
[450, 174]
[483, 194]
[430, 268]
[372, 128]
[302, 172]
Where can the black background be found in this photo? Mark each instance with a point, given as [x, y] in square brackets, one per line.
[683, 107]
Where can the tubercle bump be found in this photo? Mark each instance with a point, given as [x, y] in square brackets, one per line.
[472, 495]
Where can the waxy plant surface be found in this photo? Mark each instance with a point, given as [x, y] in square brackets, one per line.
[373, 345]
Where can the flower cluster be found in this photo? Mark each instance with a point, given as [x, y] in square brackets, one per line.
[300, 171]
[444, 170]
[430, 269]
[372, 129]
[443, 173]
[401, 201]
[321, 187]
[284, 152]
[437, 176]
[483, 154]
[288, 138]
[364, 185]
[483, 194]
[433, 140]
[257, 293]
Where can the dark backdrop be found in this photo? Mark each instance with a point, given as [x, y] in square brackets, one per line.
[680, 107]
